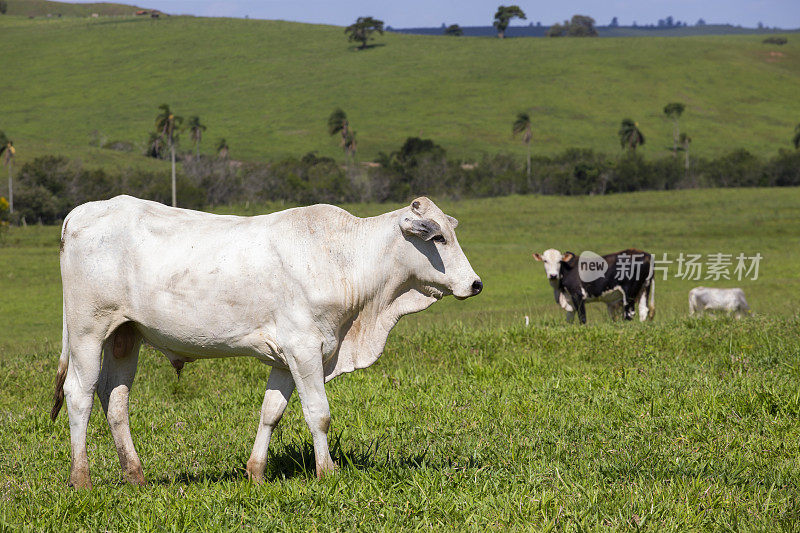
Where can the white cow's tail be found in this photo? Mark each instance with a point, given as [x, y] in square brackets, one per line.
[63, 361]
[61, 374]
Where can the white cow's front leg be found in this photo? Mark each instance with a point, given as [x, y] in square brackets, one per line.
[309, 378]
[280, 386]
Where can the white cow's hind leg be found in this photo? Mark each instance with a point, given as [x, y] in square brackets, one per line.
[309, 378]
[280, 386]
[79, 388]
[121, 356]
[570, 316]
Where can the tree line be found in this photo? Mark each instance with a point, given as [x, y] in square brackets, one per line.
[48, 187]
[363, 29]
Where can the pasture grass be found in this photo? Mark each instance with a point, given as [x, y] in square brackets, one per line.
[689, 424]
[269, 86]
[499, 235]
[469, 421]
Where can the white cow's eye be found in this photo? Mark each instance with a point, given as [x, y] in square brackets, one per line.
[440, 239]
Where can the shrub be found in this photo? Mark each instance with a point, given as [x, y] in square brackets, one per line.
[775, 40]
[783, 170]
[217, 177]
[739, 168]
[42, 190]
[3, 219]
[120, 146]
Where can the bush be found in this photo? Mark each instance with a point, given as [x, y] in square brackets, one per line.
[739, 168]
[418, 167]
[3, 219]
[783, 170]
[120, 146]
[775, 40]
[218, 179]
[42, 190]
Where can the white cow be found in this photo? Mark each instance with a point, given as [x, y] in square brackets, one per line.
[311, 291]
[707, 299]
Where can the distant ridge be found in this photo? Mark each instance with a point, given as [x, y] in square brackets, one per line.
[605, 31]
[44, 8]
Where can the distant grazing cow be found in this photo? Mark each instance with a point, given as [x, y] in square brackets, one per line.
[707, 299]
[311, 291]
[620, 280]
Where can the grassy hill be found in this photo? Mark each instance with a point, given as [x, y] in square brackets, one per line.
[268, 87]
[43, 8]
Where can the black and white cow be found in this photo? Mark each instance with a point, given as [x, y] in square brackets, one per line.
[620, 280]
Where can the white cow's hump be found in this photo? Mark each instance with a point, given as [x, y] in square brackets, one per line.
[129, 214]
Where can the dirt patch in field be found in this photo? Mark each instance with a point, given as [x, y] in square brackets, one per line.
[774, 57]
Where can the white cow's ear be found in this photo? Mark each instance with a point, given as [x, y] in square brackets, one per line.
[452, 220]
[568, 256]
[425, 228]
[420, 206]
[538, 257]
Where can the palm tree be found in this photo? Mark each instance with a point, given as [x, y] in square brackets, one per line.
[7, 150]
[796, 138]
[350, 144]
[629, 134]
[337, 123]
[523, 126]
[674, 111]
[196, 133]
[168, 125]
[222, 148]
[685, 140]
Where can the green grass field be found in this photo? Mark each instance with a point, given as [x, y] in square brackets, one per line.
[469, 421]
[269, 86]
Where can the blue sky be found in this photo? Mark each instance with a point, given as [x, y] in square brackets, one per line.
[415, 13]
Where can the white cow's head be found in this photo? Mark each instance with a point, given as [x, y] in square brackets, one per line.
[553, 260]
[437, 261]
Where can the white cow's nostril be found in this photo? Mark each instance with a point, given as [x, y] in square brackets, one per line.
[477, 287]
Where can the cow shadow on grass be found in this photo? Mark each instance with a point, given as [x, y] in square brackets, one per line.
[359, 48]
[297, 459]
